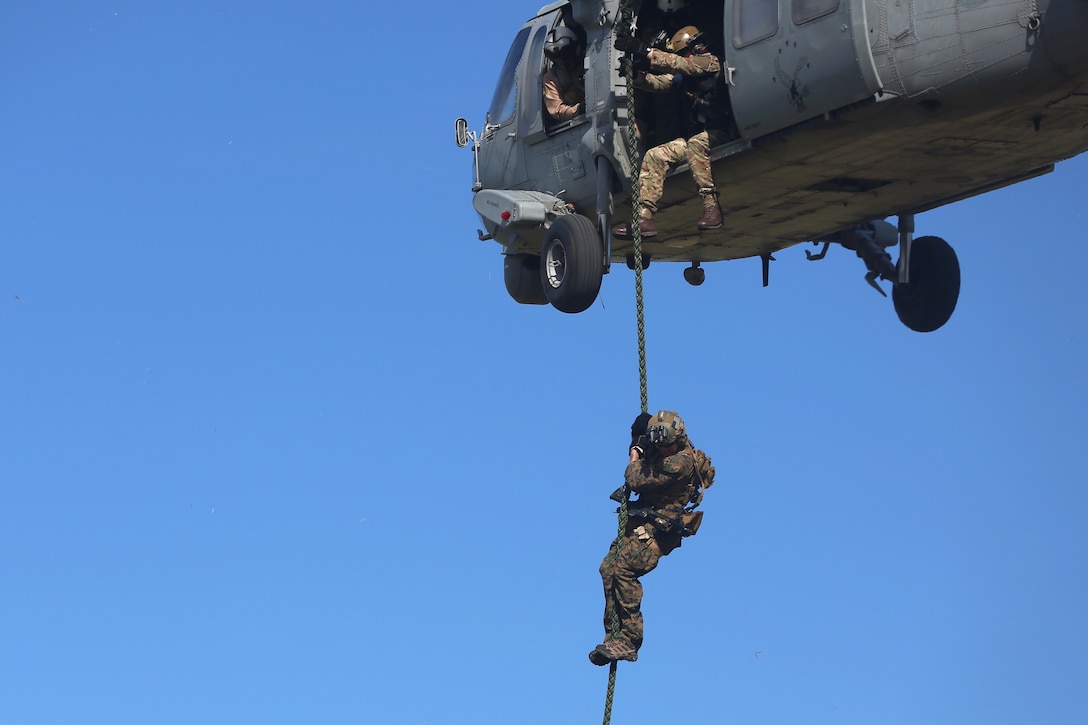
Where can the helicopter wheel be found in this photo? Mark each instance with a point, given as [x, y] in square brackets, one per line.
[928, 300]
[694, 275]
[521, 272]
[571, 263]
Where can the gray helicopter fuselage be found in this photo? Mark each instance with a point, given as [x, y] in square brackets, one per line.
[843, 111]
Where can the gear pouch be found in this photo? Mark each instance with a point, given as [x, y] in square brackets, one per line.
[692, 521]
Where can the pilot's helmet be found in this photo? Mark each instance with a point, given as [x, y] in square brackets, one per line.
[561, 44]
[665, 428]
[686, 38]
[671, 6]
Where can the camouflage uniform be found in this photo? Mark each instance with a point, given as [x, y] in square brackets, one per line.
[564, 94]
[664, 67]
[666, 484]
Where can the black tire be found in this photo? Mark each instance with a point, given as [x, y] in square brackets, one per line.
[521, 272]
[571, 263]
[929, 300]
[694, 276]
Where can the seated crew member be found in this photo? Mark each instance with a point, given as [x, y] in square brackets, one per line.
[685, 64]
[564, 81]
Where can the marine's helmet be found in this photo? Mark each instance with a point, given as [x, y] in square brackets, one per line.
[686, 38]
[562, 44]
[671, 6]
[665, 428]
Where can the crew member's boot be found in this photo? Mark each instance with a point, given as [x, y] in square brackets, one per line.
[645, 225]
[712, 212]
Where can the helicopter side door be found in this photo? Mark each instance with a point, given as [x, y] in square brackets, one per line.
[796, 60]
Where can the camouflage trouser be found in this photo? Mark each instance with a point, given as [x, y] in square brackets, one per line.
[620, 571]
[694, 150]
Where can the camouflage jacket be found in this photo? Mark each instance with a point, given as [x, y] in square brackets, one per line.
[664, 66]
[698, 77]
[664, 483]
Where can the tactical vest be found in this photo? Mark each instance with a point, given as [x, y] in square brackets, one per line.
[672, 514]
[709, 103]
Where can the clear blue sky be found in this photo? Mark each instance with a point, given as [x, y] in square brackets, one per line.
[276, 447]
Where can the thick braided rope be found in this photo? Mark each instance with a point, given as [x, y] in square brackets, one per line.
[636, 232]
[636, 227]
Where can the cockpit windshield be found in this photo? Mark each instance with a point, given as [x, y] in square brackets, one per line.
[502, 103]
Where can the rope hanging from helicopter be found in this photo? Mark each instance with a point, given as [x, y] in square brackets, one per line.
[627, 18]
[636, 227]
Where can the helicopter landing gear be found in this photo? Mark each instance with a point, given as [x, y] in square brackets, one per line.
[927, 300]
[694, 275]
[570, 263]
[521, 272]
[925, 282]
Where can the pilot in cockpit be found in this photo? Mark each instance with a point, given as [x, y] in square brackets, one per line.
[564, 81]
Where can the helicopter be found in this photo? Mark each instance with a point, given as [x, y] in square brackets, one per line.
[842, 114]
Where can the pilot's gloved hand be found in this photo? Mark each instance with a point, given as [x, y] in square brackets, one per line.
[631, 44]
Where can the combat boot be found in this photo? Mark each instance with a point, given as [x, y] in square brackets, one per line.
[598, 658]
[712, 218]
[645, 226]
[612, 650]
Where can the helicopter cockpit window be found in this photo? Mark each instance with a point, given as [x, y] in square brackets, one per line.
[531, 100]
[806, 10]
[755, 20]
[564, 72]
[503, 102]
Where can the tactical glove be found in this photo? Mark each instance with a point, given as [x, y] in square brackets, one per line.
[631, 44]
[638, 428]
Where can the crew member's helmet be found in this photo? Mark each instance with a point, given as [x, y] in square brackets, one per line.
[671, 6]
[665, 428]
[686, 38]
[561, 44]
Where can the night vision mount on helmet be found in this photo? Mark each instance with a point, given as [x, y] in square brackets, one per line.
[665, 428]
